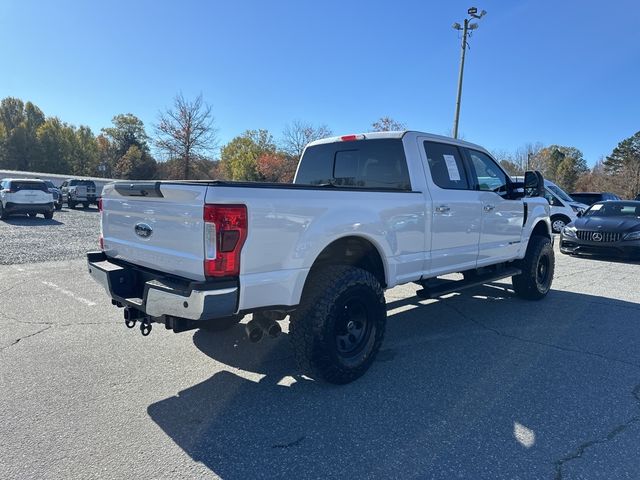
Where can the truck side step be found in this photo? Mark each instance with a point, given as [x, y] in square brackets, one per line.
[435, 288]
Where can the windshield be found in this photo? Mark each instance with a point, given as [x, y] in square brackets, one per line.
[559, 192]
[49, 184]
[614, 209]
[18, 186]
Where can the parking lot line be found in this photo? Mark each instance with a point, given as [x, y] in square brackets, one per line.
[68, 293]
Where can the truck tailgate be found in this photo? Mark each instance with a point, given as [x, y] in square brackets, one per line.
[156, 225]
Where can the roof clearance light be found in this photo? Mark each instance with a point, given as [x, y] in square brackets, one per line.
[351, 138]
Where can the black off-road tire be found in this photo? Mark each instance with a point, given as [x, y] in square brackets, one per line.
[3, 213]
[338, 328]
[48, 215]
[537, 270]
[58, 206]
[85, 205]
[71, 204]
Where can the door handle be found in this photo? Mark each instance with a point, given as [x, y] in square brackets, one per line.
[443, 209]
[488, 208]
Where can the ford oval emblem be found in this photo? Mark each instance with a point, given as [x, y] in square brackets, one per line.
[143, 230]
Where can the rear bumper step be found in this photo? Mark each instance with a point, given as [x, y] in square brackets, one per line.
[158, 296]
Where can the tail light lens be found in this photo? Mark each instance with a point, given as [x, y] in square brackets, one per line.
[101, 236]
[225, 232]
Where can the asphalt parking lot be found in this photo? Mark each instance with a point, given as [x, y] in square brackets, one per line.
[476, 385]
[70, 234]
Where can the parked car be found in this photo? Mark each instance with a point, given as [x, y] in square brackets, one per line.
[638, 198]
[564, 209]
[57, 194]
[365, 213]
[25, 195]
[610, 228]
[593, 197]
[77, 191]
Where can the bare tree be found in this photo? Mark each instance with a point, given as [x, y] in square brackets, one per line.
[387, 124]
[186, 131]
[298, 134]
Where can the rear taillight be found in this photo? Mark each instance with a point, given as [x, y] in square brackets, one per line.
[225, 230]
[99, 204]
[101, 243]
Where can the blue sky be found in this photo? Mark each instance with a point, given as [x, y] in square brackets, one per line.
[564, 72]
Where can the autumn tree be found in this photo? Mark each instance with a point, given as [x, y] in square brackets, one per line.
[239, 158]
[20, 122]
[135, 164]
[387, 124]
[276, 167]
[624, 165]
[132, 163]
[127, 131]
[186, 132]
[560, 164]
[299, 134]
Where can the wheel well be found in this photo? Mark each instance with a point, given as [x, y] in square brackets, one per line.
[561, 215]
[542, 230]
[355, 251]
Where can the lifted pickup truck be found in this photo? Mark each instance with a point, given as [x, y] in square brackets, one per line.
[365, 213]
[77, 191]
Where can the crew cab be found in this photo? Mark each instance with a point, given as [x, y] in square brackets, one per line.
[77, 191]
[25, 196]
[365, 213]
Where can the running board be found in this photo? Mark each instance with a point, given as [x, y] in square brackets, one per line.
[441, 287]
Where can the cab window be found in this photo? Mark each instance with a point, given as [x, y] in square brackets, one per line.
[489, 176]
[446, 166]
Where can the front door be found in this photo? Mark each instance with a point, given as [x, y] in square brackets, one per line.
[502, 217]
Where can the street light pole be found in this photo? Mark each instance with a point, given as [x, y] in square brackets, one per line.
[473, 13]
[465, 29]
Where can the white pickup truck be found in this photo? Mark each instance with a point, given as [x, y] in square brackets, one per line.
[365, 213]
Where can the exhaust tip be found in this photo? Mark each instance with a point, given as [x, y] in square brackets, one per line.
[274, 330]
[254, 332]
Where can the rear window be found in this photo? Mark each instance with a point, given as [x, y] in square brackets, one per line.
[86, 183]
[586, 198]
[376, 164]
[20, 185]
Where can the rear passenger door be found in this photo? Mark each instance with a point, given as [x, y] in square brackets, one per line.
[457, 211]
[502, 217]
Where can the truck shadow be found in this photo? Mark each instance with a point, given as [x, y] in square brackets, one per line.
[25, 221]
[454, 382]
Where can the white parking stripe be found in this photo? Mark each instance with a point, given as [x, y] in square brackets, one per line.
[68, 293]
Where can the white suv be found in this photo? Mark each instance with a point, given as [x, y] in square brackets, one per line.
[25, 195]
[564, 209]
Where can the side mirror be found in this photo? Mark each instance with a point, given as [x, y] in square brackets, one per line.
[533, 184]
[579, 213]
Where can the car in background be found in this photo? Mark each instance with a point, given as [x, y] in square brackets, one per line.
[26, 196]
[564, 209]
[57, 194]
[593, 197]
[77, 191]
[610, 228]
